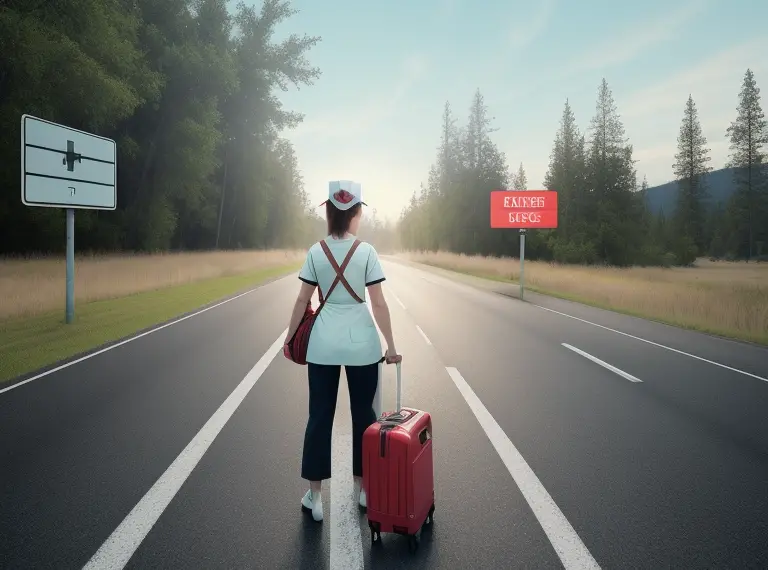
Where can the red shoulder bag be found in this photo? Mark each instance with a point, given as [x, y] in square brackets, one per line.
[297, 346]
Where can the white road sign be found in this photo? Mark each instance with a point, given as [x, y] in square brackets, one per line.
[62, 167]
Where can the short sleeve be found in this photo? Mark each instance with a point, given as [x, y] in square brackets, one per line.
[374, 273]
[307, 273]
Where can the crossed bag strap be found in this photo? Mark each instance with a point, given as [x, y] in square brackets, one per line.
[339, 273]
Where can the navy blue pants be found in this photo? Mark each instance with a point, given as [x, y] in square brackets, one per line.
[323, 391]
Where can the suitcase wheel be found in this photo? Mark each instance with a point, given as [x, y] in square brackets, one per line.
[375, 534]
[413, 542]
[430, 516]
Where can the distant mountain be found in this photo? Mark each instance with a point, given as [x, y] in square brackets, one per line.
[664, 197]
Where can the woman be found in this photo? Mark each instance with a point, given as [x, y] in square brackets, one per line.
[343, 334]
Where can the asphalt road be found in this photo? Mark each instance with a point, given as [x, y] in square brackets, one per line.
[564, 436]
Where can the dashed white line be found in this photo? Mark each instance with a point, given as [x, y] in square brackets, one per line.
[395, 297]
[423, 334]
[602, 363]
[346, 541]
[657, 344]
[448, 283]
[567, 544]
[346, 550]
[126, 538]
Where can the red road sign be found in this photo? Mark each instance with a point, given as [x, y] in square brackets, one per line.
[535, 209]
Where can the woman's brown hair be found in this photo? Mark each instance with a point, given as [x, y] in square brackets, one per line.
[339, 220]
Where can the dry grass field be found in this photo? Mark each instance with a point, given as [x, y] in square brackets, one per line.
[115, 297]
[724, 298]
[34, 286]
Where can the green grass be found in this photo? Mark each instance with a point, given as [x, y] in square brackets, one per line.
[31, 343]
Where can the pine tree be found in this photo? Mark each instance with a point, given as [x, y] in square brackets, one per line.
[566, 175]
[477, 147]
[717, 226]
[691, 167]
[443, 171]
[644, 187]
[519, 179]
[748, 133]
[607, 141]
[441, 183]
[643, 195]
[614, 205]
[451, 213]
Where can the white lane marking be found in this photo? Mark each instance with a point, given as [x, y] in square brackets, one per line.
[131, 339]
[395, 297]
[657, 344]
[445, 283]
[422, 333]
[448, 283]
[126, 538]
[346, 540]
[602, 363]
[567, 544]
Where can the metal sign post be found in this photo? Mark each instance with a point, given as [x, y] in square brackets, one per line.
[62, 167]
[522, 263]
[70, 316]
[522, 210]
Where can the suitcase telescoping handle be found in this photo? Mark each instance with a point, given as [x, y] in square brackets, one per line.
[399, 393]
[399, 396]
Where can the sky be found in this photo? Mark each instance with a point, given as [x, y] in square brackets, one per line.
[388, 68]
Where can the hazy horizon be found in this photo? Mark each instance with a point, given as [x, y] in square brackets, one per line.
[387, 70]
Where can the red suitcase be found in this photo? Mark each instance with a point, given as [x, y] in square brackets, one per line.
[398, 472]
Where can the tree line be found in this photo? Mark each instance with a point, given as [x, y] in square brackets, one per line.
[189, 91]
[603, 213]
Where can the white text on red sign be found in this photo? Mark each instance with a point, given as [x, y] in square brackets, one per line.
[524, 218]
[524, 202]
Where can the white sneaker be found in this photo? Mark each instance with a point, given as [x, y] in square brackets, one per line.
[313, 505]
[363, 500]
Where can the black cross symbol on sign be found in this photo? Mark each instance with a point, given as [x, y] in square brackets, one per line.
[71, 157]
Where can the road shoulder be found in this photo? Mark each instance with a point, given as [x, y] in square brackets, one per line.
[741, 355]
[34, 346]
